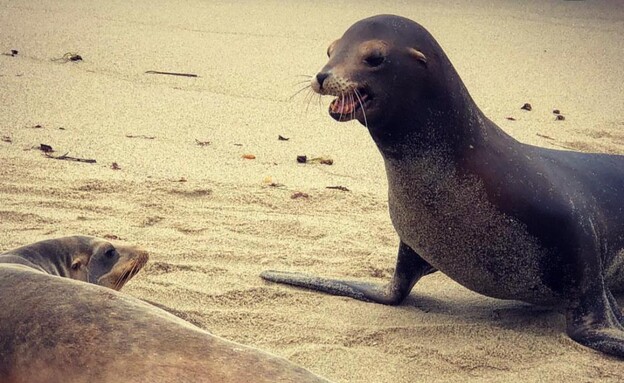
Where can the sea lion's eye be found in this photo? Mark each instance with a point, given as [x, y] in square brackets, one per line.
[110, 253]
[375, 59]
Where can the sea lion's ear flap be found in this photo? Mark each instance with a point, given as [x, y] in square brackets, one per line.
[418, 55]
[76, 264]
[79, 261]
[331, 47]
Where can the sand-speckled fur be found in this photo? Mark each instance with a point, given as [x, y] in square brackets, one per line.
[503, 218]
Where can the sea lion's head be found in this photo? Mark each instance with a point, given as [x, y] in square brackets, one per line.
[383, 70]
[83, 258]
[100, 262]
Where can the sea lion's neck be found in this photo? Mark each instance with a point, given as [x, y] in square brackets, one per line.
[443, 117]
[42, 256]
[455, 128]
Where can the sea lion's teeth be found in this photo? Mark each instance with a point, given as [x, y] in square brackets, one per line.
[343, 105]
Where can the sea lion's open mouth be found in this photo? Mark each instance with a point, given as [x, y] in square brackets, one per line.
[347, 105]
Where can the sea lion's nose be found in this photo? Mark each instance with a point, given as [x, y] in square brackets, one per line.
[320, 78]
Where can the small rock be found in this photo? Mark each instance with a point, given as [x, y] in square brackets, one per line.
[302, 159]
[527, 106]
[46, 148]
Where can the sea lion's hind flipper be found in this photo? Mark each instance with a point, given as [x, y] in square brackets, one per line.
[410, 268]
[597, 323]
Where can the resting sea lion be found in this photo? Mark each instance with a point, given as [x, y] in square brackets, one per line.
[62, 330]
[502, 218]
[81, 258]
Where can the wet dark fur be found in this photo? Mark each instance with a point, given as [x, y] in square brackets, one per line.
[505, 219]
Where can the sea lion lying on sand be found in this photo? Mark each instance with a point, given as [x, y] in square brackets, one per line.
[54, 328]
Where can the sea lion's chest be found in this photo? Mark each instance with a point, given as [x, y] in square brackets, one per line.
[449, 221]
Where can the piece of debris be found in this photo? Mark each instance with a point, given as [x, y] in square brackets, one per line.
[12, 53]
[510, 118]
[297, 195]
[302, 159]
[544, 136]
[140, 136]
[343, 188]
[322, 160]
[238, 144]
[282, 138]
[68, 158]
[556, 111]
[249, 156]
[527, 106]
[45, 148]
[111, 236]
[69, 56]
[61, 128]
[35, 127]
[115, 166]
[202, 143]
[560, 117]
[268, 180]
[6, 139]
[171, 73]
[182, 179]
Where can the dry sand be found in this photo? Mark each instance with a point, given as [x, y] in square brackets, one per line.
[212, 235]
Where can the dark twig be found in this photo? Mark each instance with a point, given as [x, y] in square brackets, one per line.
[68, 158]
[343, 188]
[140, 136]
[172, 73]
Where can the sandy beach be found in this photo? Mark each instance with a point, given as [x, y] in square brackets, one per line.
[213, 220]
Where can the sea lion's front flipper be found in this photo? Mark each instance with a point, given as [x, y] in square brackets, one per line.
[409, 269]
[596, 322]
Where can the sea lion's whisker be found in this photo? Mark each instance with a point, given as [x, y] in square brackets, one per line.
[308, 98]
[342, 101]
[359, 98]
[302, 82]
[299, 91]
[351, 102]
[125, 276]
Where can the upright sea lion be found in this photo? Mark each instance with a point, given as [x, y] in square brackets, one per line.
[61, 330]
[502, 218]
